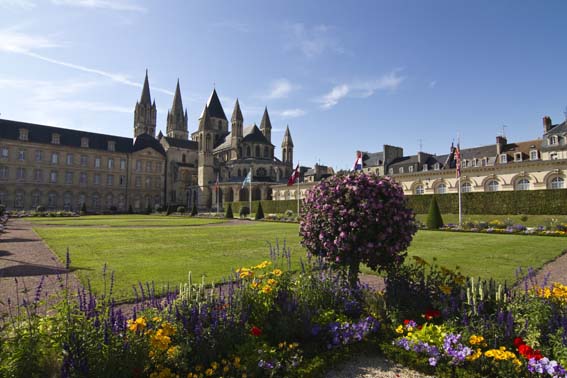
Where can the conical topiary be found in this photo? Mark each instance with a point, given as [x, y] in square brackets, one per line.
[434, 218]
[229, 214]
[84, 209]
[194, 210]
[259, 212]
[130, 210]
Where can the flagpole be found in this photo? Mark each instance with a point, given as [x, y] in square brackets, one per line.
[459, 182]
[298, 194]
[250, 191]
[218, 192]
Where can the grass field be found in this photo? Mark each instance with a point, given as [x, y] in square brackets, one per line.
[124, 220]
[532, 221]
[156, 252]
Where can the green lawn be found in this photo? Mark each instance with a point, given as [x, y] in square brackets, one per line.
[166, 254]
[124, 220]
[532, 221]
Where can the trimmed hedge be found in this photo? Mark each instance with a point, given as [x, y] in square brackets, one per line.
[531, 202]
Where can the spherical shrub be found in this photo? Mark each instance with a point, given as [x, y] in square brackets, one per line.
[356, 218]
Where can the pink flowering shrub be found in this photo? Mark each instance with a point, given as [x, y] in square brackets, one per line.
[358, 218]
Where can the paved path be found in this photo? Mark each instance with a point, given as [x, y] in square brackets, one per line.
[24, 260]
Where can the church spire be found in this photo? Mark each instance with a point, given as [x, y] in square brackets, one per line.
[266, 125]
[205, 120]
[287, 148]
[287, 138]
[236, 113]
[145, 99]
[176, 118]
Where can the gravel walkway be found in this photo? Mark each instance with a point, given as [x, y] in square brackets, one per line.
[24, 260]
[373, 367]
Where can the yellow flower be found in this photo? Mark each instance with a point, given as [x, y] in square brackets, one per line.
[445, 289]
[168, 329]
[198, 368]
[400, 329]
[172, 352]
[160, 341]
[214, 365]
[255, 284]
[137, 325]
[272, 282]
[226, 369]
[209, 372]
[476, 340]
[476, 355]
[277, 272]
[266, 289]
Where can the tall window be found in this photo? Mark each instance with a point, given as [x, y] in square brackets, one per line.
[557, 183]
[441, 189]
[401, 170]
[21, 173]
[22, 155]
[148, 166]
[83, 178]
[4, 152]
[69, 159]
[38, 175]
[523, 184]
[436, 166]
[419, 190]
[84, 160]
[492, 186]
[3, 173]
[111, 145]
[109, 180]
[148, 182]
[138, 165]
[95, 201]
[55, 139]
[122, 180]
[51, 200]
[68, 178]
[38, 155]
[53, 177]
[138, 181]
[503, 159]
[54, 158]
[23, 134]
[35, 197]
[85, 142]
[122, 164]
[19, 200]
[410, 169]
[97, 162]
[466, 187]
[533, 155]
[96, 179]
[110, 163]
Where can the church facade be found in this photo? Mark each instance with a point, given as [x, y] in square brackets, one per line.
[63, 169]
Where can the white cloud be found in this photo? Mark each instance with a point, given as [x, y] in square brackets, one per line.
[20, 43]
[116, 5]
[22, 4]
[312, 41]
[281, 89]
[292, 113]
[361, 89]
[334, 96]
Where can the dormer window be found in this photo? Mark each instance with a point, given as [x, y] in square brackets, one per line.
[391, 171]
[401, 170]
[55, 138]
[475, 162]
[553, 140]
[23, 134]
[484, 162]
[85, 142]
[553, 156]
[111, 145]
[533, 155]
[503, 159]
[410, 169]
[436, 166]
[518, 156]
[425, 167]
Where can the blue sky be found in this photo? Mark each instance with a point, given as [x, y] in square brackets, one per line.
[345, 75]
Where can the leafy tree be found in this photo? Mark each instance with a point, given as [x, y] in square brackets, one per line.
[259, 212]
[229, 214]
[434, 218]
[194, 210]
[244, 211]
[357, 218]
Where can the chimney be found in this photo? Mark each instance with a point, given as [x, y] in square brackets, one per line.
[547, 124]
[500, 143]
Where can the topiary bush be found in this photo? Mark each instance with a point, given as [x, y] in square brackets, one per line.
[260, 212]
[229, 214]
[2, 209]
[244, 211]
[83, 209]
[130, 210]
[40, 209]
[354, 218]
[194, 210]
[434, 218]
[181, 209]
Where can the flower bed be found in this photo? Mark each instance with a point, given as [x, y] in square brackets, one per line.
[498, 227]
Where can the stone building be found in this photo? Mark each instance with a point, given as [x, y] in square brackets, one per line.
[63, 168]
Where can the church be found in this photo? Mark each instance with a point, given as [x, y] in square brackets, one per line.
[63, 169]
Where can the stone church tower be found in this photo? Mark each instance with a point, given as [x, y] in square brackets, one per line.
[177, 118]
[205, 173]
[287, 148]
[236, 133]
[145, 113]
[266, 126]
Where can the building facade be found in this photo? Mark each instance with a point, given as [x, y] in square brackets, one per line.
[63, 169]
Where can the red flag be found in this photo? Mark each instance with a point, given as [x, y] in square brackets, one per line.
[217, 184]
[458, 160]
[294, 176]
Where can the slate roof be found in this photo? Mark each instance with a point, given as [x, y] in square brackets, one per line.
[145, 99]
[72, 138]
[147, 141]
[250, 134]
[558, 129]
[215, 107]
[182, 143]
[372, 159]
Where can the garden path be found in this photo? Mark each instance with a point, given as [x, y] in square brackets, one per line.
[373, 367]
[24, 260]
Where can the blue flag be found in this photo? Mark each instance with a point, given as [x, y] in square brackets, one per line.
[248, 178]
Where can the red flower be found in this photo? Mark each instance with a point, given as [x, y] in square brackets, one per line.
[255, 331]
[518, 341]
[406, 322]
[431, 314]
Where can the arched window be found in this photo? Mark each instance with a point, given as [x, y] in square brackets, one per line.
[523, 184]
[109, 200]
[257, 151]
[208, 147]
[67, 201]
[441, 189]
[248, 151]
[261, 172]
[419, 190]
[51, 200]
[201, 142]
[266, 152]
[466, 187]
[35, 198]
[96, 201]
[492, 186]
[557, 183]
[19, 200]
[3, 198]
[239, 153]
[239, 172]
[183, 158]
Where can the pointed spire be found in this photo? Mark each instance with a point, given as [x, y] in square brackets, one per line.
[287, 142]
[215, 107]
[266, 123]
[145, 99]
[177, 102]
[205, 119]
[237, 114]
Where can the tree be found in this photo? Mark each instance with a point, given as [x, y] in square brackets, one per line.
[194, 210]
[229, 214]
[434, 218]
[259, 212]
[356, 218]
[244, 211]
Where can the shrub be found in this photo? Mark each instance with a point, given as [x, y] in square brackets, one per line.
[148, 209]
[181, 209]
[194, 210]
[524, 218]
[259, 212]
[434, 219]
[357, 218]
[2, 209]
[244, 211]
[84, 209]
[229, 214]
[113, 208]
[130, 210]
[40, 209]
